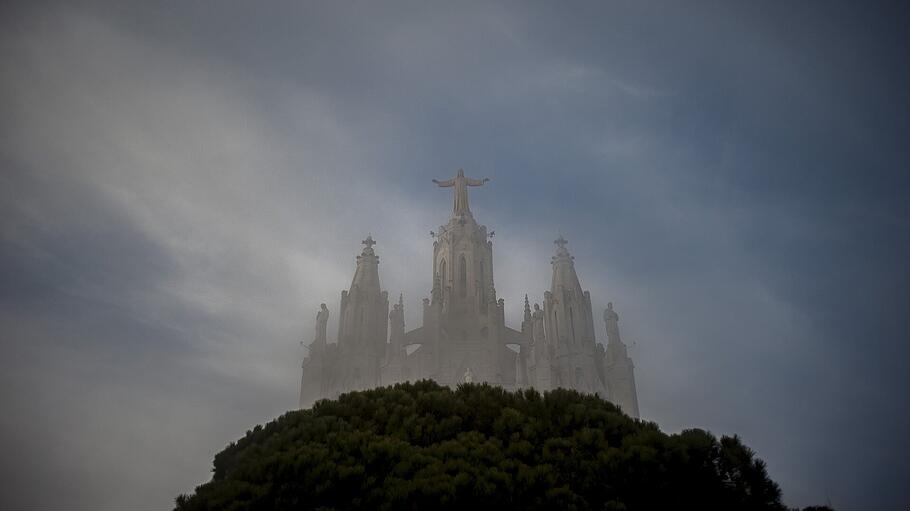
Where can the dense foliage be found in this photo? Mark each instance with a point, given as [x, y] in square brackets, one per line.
[424, 446]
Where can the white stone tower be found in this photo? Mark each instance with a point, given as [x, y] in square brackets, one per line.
[463, 332]
[363, 324]
[570, 327]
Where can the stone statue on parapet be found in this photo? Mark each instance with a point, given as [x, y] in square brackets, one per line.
[322, 319]
[611, 318]
[393, 314]
[460, 182]
[396, 322]
[537, 331]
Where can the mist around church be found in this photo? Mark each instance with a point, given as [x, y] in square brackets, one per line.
[463, 337]
[464, 411]
[424, 255]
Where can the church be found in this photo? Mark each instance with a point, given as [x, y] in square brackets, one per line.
[463, 337]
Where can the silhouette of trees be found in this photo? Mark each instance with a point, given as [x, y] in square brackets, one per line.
[424, 446]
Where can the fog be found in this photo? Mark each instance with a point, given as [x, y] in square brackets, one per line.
[182, 185]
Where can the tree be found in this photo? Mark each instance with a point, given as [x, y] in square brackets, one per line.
[424, 446]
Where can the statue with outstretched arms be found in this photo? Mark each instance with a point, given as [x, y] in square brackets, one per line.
[461, 184]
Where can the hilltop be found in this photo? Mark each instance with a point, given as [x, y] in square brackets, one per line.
[425, 446]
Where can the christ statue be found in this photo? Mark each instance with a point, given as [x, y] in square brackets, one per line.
[461, 185]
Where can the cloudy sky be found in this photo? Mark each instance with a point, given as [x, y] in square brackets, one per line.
[182, 183]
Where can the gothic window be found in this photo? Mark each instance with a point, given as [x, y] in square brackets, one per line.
[483, 293]
[572, 323]
[442, 273]
[555, 327]
[463, 277]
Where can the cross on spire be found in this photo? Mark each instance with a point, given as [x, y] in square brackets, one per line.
[369, 241]
[561, 242]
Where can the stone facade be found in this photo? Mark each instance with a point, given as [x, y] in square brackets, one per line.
[463, 336]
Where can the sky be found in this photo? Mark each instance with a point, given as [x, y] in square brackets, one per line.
[182, 183]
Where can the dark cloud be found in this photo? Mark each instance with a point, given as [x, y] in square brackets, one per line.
[183, 184]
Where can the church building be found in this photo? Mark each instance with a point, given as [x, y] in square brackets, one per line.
[463, 337]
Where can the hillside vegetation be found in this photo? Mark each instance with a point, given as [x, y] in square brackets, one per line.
[424, 446]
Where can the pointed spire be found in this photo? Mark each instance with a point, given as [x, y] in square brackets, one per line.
[396, 325]
[366, 277]
[527, 316]
[564, 275]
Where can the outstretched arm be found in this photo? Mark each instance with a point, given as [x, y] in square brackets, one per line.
[475, 182]
[445, 184]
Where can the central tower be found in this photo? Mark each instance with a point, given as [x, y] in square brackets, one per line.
[464, 326]
[463, 257]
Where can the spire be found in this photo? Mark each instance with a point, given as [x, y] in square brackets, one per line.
[527, 316]
[564, 275]
[396, 324]
[366, 277]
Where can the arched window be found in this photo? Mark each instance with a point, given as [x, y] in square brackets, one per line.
[442, 273]
[572, 323]
[556, 328]
[483, 288]
[463, 277]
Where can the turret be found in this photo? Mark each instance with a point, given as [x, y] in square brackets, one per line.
[567, 305]
[570, 327]
[526, 319]
[463, 265]
[363, 323]
[395, 350]
[396, 324]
